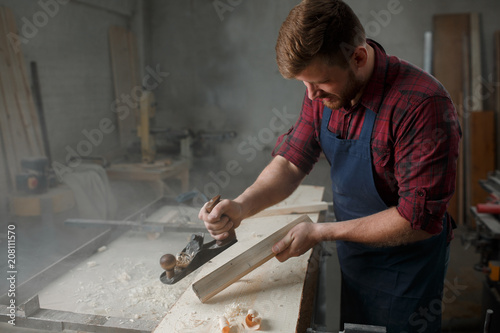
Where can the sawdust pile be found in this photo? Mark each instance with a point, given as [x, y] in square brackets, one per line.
[121, 281]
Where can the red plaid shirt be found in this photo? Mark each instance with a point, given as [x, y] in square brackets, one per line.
[414, 141]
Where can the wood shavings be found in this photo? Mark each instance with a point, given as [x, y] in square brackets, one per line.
[224, 325]
[233, 310]
[91, 264]
[236, 319]
[253, 320]
[183, 259]
[124, 277]
[189, 323]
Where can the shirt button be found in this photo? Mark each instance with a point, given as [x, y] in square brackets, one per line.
[420, 193]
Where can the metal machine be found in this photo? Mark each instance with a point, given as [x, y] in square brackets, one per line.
[487, 242]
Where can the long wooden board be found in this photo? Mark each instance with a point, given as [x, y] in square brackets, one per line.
[452, 40]
[483, 152]
[124, 63]
[310, 207]
[276, 290]
[475, 63]
[227, 274]
[497, 87]
[19, 123]
[24, 96]
[12, 130]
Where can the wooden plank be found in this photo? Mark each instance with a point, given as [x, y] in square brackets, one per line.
[276, 290]
[482, 142]
[475, 62]
[12, 130]
[304, 194]
[21, 133]
[458, 201]
[465, 142]
[125, 78]
[227, 274]
[38, 146]
[451, 31]
[310, 207]
[24, 98]
[8, 140]
[497, 88]
[147, 110]
[134, 59]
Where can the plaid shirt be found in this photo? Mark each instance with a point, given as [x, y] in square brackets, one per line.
[414, 142]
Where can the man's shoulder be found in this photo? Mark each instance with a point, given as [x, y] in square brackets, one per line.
[411, 83]
[404, 80]
[410, 92]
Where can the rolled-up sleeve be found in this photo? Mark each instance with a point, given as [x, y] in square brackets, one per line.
[426, 154]
[300, 144]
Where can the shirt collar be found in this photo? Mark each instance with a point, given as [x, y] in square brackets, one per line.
[374, 89]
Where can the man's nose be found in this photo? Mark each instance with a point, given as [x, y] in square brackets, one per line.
[312, 91]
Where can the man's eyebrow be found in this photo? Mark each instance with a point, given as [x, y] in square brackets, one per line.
[316, 82]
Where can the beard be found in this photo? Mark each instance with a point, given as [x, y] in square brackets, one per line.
[345, 97]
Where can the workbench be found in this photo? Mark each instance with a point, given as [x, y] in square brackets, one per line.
[118, 289]
[155, 172]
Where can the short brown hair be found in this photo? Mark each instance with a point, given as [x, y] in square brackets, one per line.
[326, 28]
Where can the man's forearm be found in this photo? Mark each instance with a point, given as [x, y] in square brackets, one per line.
[386, 228]
[275, 183]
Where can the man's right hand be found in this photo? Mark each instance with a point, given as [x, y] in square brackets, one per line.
[275, 183]
[225, 216]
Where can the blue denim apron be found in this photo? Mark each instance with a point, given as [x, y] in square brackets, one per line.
[396, 287]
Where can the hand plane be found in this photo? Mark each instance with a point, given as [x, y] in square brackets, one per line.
[194, 254]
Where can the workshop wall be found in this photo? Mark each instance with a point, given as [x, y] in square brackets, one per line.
[223, 75]
[69, 42]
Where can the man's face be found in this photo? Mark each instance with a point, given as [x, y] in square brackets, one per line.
[335, 86]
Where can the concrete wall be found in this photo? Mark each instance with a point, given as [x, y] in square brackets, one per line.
[224, 77]
[69, 42]
[220, 55]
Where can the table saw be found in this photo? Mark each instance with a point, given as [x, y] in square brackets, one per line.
[117, 288]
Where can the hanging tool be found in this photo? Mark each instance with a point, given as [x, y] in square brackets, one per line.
[195, 254]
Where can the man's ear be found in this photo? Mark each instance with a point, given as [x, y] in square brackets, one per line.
[359, 58]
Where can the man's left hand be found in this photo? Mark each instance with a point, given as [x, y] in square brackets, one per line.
[298, 241]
